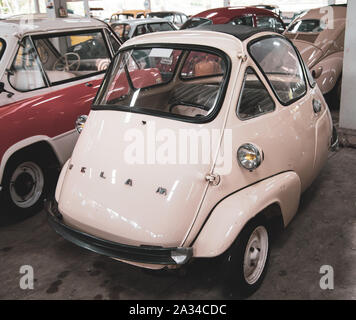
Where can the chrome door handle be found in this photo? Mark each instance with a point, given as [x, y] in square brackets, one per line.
[89, 85]
[316, 106]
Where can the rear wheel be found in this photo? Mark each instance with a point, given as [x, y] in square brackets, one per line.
[26, 182]
[247, 259]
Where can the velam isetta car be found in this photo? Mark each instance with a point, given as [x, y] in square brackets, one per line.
[50, 71]
[139, 187]
[319, 35]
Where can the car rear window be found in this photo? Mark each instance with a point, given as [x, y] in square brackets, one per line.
[242, 21]
[163, 26]
[268, 22]
[145, 80]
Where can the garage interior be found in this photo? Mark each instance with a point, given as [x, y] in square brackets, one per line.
[323, 231]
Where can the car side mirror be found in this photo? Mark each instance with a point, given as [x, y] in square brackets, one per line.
[2, 89]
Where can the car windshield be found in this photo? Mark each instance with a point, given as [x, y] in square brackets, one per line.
[195, 22]
[175, 82]
[306, 26]
[2, 47]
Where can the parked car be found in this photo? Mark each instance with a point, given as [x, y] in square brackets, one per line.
[128, 14]
[322, 46]
[272, 126]
[247, 16]
[50, 71]
[128, 29]
[177, 18]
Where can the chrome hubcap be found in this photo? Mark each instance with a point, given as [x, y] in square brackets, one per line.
[26, 186]
[256, 255]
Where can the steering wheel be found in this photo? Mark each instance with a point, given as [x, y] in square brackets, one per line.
[64, 63]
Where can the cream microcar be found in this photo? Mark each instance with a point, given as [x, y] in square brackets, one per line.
[199, 144]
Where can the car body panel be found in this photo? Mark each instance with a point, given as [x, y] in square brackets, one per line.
[218, 234]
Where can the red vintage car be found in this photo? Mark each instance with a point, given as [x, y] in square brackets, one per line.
[248, 16]
[50, 71]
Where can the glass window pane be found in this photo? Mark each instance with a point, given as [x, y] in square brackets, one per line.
[202, 64]
[254, 99]
[140, 30]
[163, 26]
[115, 45]
[280, 63]
[308, 25]
[122, 30]
[26, 72]
[144, 79]
[242, 21]
[195, 22]
[70, 56]
[265, 22]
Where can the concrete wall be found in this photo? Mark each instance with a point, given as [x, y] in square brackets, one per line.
[348, 97]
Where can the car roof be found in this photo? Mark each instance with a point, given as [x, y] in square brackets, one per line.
[221, 37]
[135, 22]
[24, 24]
[240, 32]
[231, 12]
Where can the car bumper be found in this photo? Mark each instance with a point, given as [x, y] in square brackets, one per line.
[137, 254]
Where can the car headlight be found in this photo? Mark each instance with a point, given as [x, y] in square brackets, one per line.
[79, 124]
[249, 156]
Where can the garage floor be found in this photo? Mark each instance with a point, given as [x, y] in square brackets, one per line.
[322, 233]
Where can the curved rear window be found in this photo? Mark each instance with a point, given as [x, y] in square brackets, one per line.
[168, 81]
[2, 47]
[310, 25]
